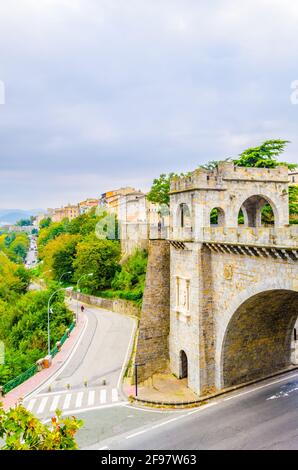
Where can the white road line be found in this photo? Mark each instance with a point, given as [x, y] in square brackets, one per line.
[51, 379]
[127, 354]
[260, 387]
[103, 396]
[115, 395]
[42, 405]
[94, 408]
[55, 402]
[91, 398]
[67, 402]
[164, 423]
[79, 400]
[31, 404]
[202, 408]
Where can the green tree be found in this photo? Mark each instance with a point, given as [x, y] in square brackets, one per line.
[100, 257]
[264, 156]
[45, 223]
[160, 190]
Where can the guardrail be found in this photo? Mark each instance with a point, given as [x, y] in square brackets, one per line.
[13, 383]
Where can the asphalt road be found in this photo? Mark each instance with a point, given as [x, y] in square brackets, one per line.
[263, 416]
[92, 377]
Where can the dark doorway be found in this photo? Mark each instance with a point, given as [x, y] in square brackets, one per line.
[183, 365]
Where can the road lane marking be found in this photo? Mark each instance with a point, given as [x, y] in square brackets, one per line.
[67, 401]
[127, 353]
[51, 379]
[79, 399]
[95, 408]
[103, 396]
[115, 395]
[31, 404]
[260, 387]
[55, 402]
[91, 398]
[42, 405]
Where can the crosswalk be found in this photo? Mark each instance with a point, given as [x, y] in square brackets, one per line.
[83, 399]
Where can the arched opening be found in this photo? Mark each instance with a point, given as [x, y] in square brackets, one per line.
[217, 217]
[258, 339]
[256, 211]
[184, 218]
[241, 219]
[183, 365]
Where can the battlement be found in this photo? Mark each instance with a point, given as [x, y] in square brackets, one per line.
[285, 237]
[226, 172]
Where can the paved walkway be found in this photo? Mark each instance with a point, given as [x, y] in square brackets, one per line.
[162, 388]
[26, 388]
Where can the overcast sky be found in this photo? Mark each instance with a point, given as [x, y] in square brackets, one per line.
[107, 93]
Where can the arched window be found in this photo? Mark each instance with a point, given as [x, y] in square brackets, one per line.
[256, 211]
[183, 365]
[184, 219]
[217, 217]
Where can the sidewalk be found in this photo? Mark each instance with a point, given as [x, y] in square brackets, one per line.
[20, 392]
[162, 388]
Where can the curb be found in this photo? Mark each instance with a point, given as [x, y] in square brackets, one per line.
[202, 400]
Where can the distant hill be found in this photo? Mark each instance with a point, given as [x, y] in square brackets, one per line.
[11, 216]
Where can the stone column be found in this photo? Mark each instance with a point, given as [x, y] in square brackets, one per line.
[206, 323]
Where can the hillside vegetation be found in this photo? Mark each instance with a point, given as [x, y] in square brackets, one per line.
[70, 250]
[23, 317]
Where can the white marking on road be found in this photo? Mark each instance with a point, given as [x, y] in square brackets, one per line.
[95, 408]
[67, 401]
[260, 387]
[79, 399]
[283, 393]
[55, 402]
[115, 395]
[104, 448]
[61, 369]
[103, 396]
[127, 354]
[31, 404]
[42, 405]
[91, 398]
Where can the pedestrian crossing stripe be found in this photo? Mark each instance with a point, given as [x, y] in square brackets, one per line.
[75, 400]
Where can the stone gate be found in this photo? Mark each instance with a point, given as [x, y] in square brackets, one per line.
[233, 287]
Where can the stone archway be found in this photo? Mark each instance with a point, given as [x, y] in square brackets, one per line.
[252, 209]
[257, 340]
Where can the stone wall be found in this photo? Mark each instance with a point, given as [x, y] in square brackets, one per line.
[124, 307]
[152, 348]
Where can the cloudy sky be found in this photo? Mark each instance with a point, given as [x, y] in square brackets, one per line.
[105, 93]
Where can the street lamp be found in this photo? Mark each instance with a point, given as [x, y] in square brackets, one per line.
[64, 274]
[50, 310]
[78, 290]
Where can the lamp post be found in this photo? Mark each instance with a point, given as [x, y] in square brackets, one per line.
[51, 311]
[64, 274]
[136, 378]
[78, 290]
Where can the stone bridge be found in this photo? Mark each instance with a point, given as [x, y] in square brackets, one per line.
[221, 297]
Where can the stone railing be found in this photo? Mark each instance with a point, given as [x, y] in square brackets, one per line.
[181, 234]
[263, 236]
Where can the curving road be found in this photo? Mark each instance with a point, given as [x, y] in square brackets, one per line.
[92, 376]
[263, 416]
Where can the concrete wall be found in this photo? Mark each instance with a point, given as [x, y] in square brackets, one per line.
[124, 307]
[152, 347]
